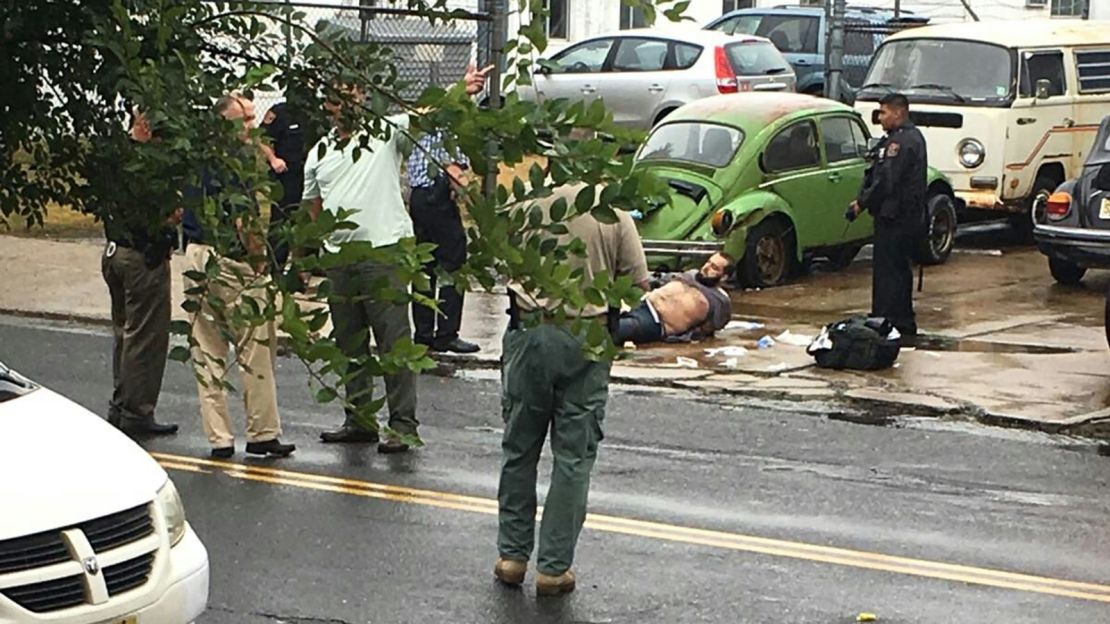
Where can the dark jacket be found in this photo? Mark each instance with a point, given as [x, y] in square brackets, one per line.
[897, 183]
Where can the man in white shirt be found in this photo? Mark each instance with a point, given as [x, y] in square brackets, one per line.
[370, 187]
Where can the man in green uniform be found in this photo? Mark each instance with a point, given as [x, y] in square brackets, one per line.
[549, 384]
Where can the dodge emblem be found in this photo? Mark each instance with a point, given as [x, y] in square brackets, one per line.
[92, 566]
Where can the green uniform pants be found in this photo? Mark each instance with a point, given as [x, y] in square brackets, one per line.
[356, 308]
[547, 384]
[140, 332]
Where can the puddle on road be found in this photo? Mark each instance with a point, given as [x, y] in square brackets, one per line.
[971, 345]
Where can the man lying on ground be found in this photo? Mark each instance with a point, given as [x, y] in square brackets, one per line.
[686, 306]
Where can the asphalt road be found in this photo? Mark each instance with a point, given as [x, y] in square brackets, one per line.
[708, 512]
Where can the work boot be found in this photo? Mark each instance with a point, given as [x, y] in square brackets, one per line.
[457, 345]
[149, 427]
[510, 571]
[349, 434]
[391, 445]
[547, 585]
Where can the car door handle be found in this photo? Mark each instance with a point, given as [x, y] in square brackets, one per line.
[1025, 121]
[1069, 122]
[655, 88]
[587, 89]
[834, 177]
[801, 62]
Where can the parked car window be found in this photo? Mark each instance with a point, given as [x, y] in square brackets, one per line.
[1043, 66]
[795, 34]
[584, 58]
[1093, 68]
[743, 24]
[793, 148]
[842, 139]
[640, 55]
[685, 55]
[858, 39]
[702, 143]
[756, 58]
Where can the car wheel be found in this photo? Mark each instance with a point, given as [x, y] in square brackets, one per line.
[939, 237]
[1022, 223]
[1067, 273]
[768, 255]
[1106, 318]
[843, 256]
[663, 115]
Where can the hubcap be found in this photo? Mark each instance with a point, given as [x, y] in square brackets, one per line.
[941, 235]
[770, 258]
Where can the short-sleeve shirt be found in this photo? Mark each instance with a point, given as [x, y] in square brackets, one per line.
[371, 187]
[612, 247]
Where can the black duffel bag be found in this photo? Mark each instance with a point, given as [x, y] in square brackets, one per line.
[857, 343]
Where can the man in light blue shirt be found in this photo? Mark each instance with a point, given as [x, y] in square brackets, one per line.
[370, 187]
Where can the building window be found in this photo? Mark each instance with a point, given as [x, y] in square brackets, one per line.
[556, 18]
[1069, 8]
[728, 6]
[632, 17]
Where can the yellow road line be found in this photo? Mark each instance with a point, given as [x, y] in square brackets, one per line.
[661, 531]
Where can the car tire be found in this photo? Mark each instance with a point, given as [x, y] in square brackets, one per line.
[939, 237]
[842, 257]
[1106, 318]
[768, 255]
[662, 115]
[1065, 272]
[1022, 223]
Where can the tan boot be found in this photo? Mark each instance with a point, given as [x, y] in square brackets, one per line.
[510, 571]
[555, 585]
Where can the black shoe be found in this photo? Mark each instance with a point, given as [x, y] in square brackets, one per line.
[223, 452]
[347, 433]
[271, 447]
[392, 445]
[457, 345]
[148, 428]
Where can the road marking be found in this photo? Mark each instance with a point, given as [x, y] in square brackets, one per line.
[661, 531]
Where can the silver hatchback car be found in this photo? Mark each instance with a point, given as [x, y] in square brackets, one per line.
[642, 75]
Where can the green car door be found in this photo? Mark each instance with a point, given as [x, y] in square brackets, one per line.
[844, 144]
[792, 163]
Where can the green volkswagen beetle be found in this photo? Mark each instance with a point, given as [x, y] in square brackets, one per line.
[767, 177]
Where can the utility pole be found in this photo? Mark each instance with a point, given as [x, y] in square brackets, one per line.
[897, 9]
[498, 32]
[833, 80]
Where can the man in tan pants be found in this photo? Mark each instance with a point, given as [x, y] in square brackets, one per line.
[237, 283]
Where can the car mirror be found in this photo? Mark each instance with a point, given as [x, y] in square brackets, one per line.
[873, 144]
[1102, 179]
[1044, 89]
[542, 70]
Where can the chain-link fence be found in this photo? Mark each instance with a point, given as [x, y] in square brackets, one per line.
[426, 52]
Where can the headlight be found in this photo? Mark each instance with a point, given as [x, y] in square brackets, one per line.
[972, 153]
[169, 501]
[722, 222]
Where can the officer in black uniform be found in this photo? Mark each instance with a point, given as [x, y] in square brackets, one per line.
[283, 128]
[894, 193]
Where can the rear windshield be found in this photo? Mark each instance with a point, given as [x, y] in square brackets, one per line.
[12, 385]
[696, 142]
[756, 58]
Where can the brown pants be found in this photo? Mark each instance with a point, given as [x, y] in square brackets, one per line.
[254, 351]
[140, 332]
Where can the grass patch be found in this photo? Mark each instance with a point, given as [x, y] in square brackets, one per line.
[59, 222]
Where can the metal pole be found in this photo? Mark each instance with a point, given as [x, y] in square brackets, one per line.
[836, 52]
[498, 34]
[897, 9]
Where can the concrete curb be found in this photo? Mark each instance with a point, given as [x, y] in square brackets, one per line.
[863, 398]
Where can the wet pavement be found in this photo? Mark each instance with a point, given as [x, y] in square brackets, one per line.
[705, 510]
[1005, 343]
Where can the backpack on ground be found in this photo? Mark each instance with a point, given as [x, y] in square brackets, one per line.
[857, 343]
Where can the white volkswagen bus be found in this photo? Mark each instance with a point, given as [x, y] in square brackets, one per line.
[1009, 109]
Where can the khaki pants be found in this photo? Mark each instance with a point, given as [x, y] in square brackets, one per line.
[254, 352]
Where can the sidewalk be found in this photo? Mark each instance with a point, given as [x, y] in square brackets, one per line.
[1016, 349]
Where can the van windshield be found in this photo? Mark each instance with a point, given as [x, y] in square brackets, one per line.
[922, 70]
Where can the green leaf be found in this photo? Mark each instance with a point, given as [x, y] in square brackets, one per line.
[585, 199]
[559, 209]
[326, 395]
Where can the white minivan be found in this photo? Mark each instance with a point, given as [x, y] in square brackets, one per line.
[92, 531]
[1009, 109]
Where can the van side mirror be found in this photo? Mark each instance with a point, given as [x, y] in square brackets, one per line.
[1044, 89]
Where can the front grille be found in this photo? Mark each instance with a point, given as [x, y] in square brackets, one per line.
[32, 551]
[118, 529]
[129, 574]
[46, 596]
